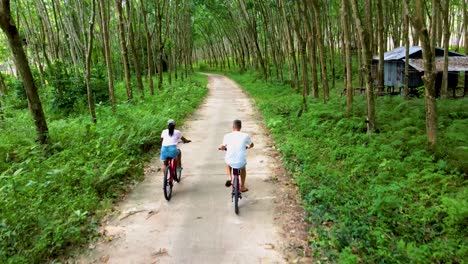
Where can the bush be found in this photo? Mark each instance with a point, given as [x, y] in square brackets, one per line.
[16, 98]
[68, 88]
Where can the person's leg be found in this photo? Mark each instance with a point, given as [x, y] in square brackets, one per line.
[179, 159]
[229, 172]
[165, 164]
[243, 176]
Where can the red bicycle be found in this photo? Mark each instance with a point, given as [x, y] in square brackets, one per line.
[172, 173]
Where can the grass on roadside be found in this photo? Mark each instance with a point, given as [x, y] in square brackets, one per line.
[53, 198]
[380, 198]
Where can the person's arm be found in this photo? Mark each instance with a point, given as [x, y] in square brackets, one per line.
[223, 146]
[185, 140]
[249, 142]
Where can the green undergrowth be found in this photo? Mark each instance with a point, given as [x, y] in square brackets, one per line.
[52, 198]
[383, 198]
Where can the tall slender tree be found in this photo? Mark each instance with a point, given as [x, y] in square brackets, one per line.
[104, 15]
[428, 50]
[465, 23]
[21, 61]
[364, 34]
[444, 6]
[347, 51]
[131, 39]
[320, 45]
[123, 48]
[89, 52]
[149, 55]
[380, 41]
[407, 49]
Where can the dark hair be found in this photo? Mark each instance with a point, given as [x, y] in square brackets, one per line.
[237, 124]
[171, 127]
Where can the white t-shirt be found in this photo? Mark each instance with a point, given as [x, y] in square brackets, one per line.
[168, 140]
[236, 153]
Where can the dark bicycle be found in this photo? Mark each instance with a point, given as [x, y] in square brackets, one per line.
[236, 193]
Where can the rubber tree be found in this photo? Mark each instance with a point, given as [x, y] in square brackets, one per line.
[89, 52]
[22, 64]
[124, 49]
[428, 50]
[364, 35]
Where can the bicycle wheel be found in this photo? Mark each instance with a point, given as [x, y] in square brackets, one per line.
[167, 184]
[177, 174]
[236, 193]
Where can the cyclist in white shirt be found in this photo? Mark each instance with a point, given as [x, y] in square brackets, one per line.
[235, 144]
[169, 139]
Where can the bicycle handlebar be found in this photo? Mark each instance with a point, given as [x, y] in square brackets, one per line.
[246, 147]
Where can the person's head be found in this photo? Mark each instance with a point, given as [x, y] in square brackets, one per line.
[171, 126]
[237, 125]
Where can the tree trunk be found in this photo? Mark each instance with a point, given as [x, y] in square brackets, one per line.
[131, 39]
[465, 22]
[123, 47]
[407, 44]
[347, 51]
[429, 68]
[162, 36]
[105, 32]
[380, 34]
[89, 51]
[445, 12]
[1, 107]
[292, 53]
[252, 28]
[148, 50]
[21, 62]
[3, 87]
[364, 34]
[303, 53]
[323, 63]
[310, 29]
[3, 92]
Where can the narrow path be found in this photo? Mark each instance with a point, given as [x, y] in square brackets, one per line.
[199, 225]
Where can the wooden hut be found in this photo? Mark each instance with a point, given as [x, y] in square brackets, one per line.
[394, 67]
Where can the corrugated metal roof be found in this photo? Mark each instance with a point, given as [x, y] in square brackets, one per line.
[399, 53]
[456, 64]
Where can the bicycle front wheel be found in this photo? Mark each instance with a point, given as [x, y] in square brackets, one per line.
[167, 183]
[236, 193]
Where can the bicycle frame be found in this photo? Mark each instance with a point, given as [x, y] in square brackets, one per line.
[172, 163]
[236, 191]
[171, 169]
[236, 173]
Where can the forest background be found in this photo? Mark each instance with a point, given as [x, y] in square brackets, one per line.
[86, 86]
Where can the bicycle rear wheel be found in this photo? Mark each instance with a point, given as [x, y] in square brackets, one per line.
[236, 193]
[167, 183]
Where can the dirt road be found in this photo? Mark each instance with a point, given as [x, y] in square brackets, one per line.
[199, 225]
